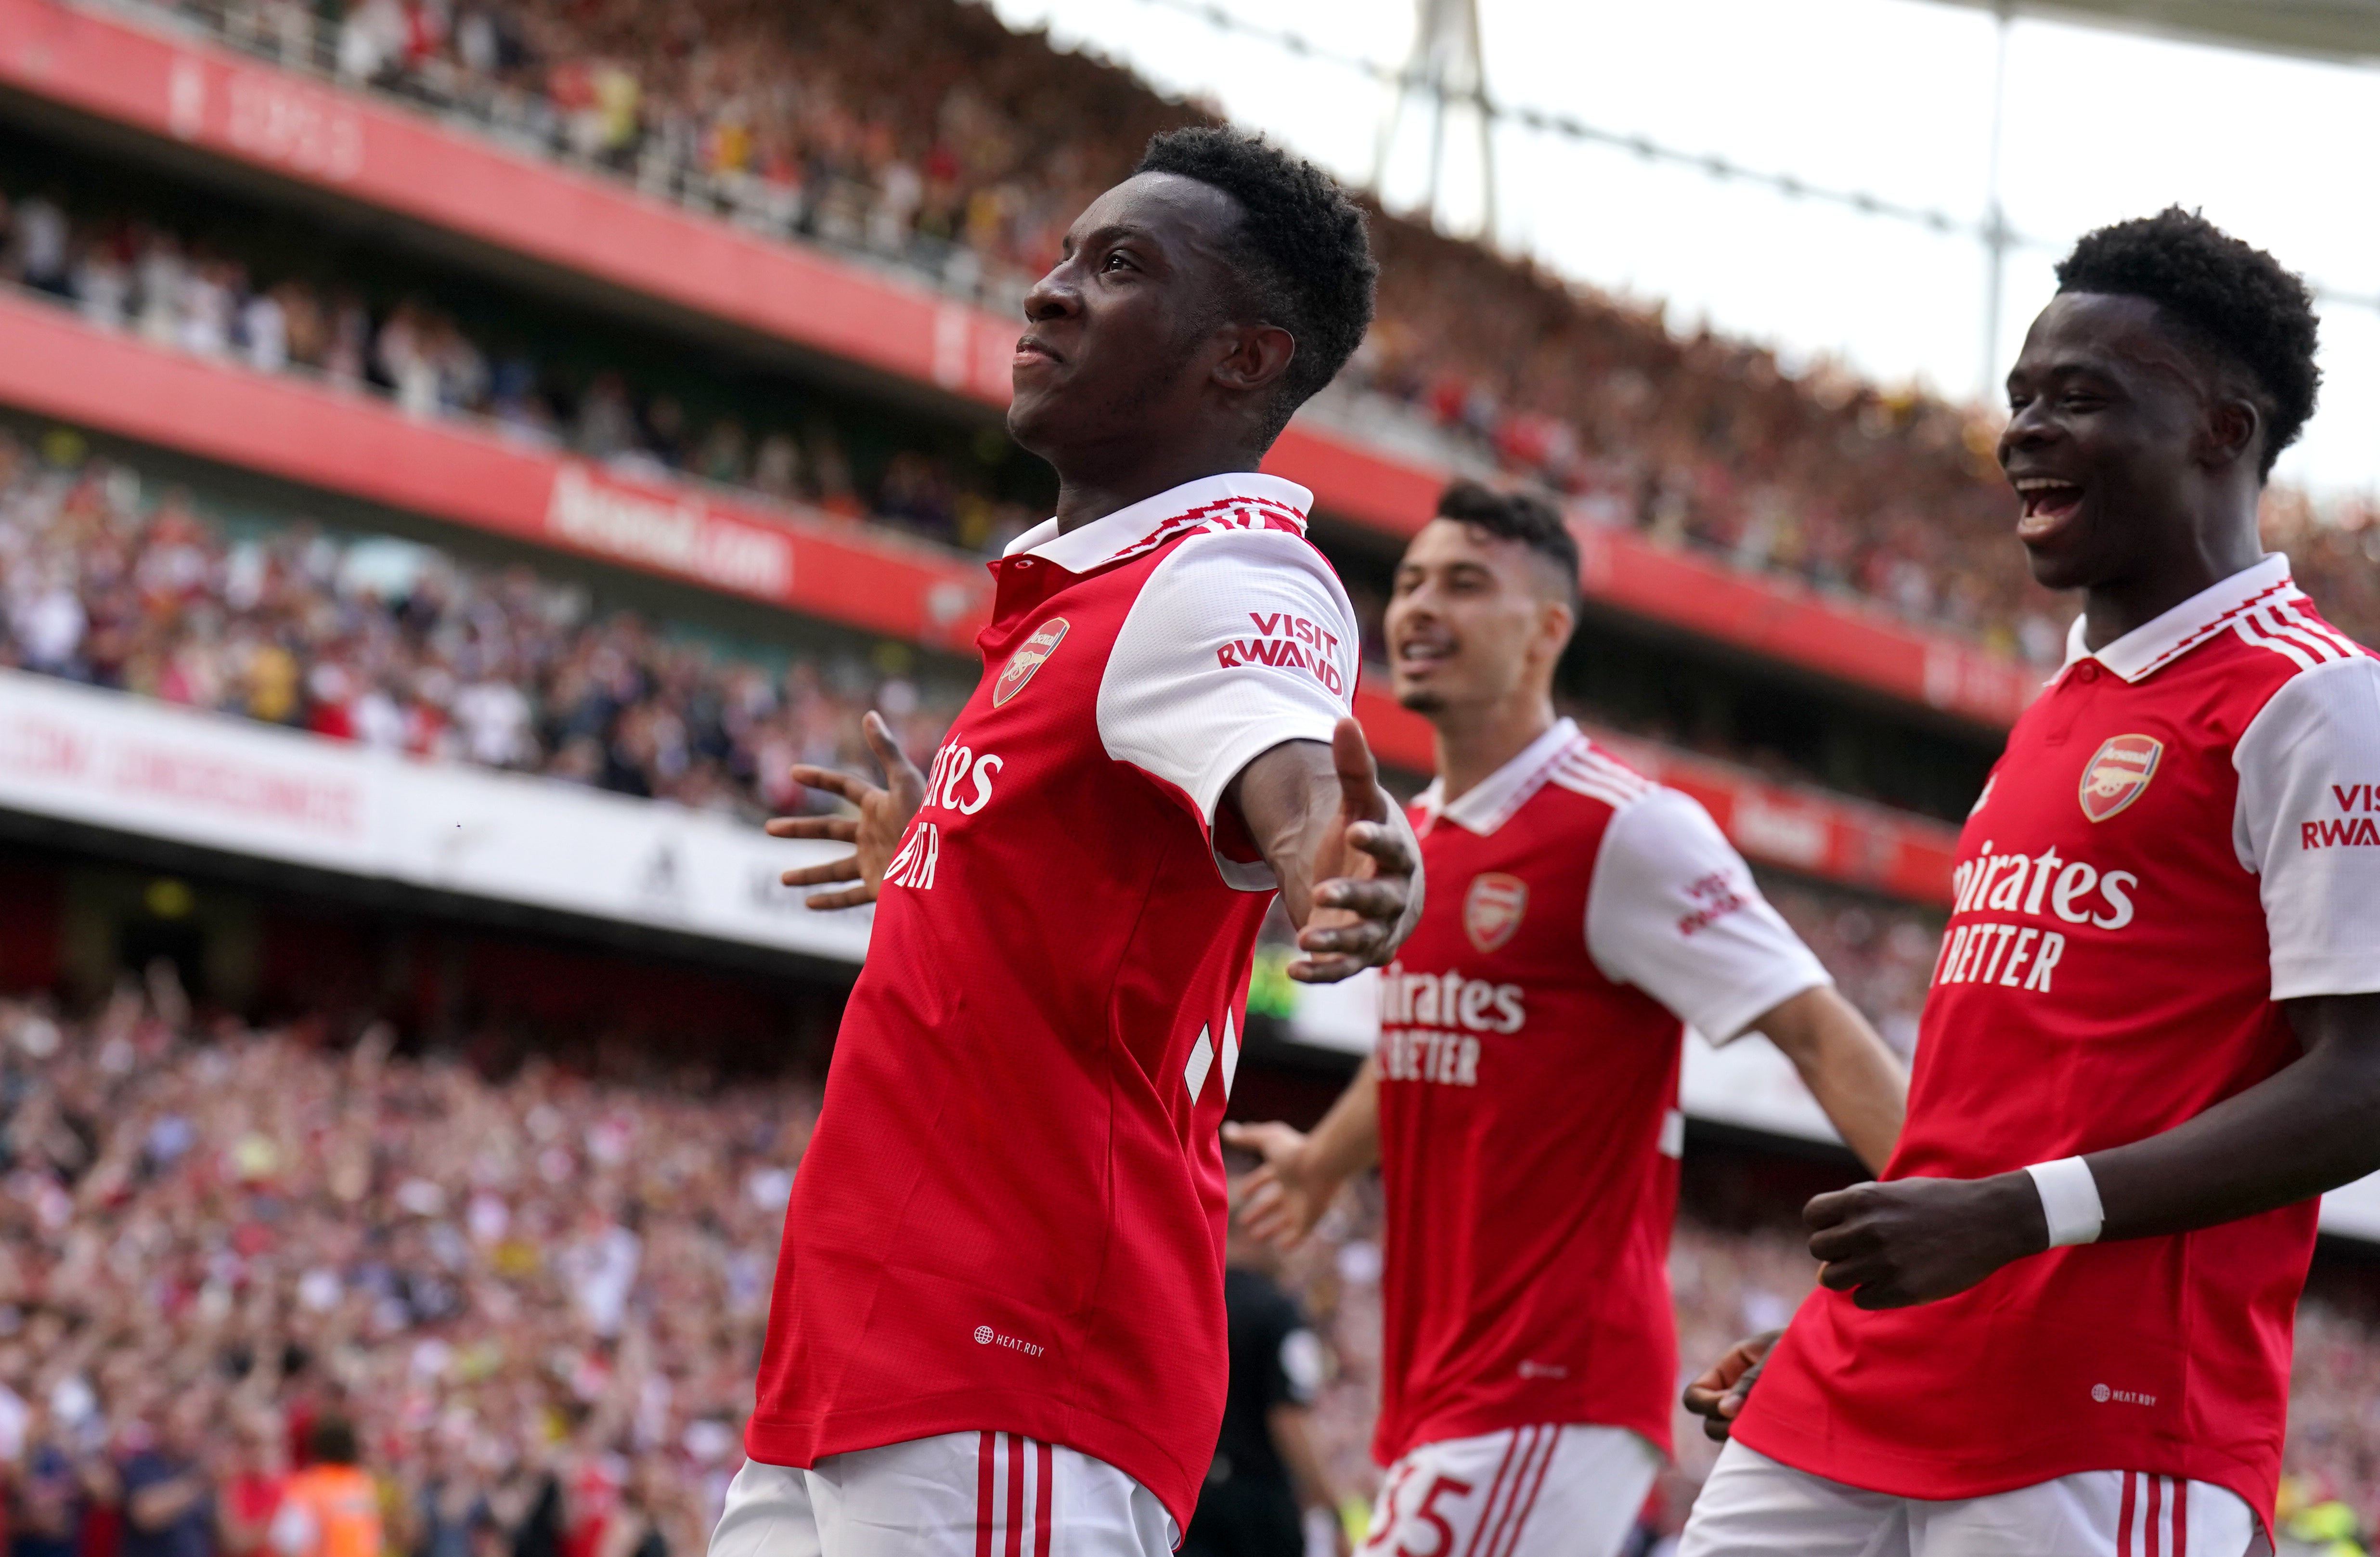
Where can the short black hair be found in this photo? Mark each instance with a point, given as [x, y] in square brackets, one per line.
[1302, 249]
[2222, 295]
[1517, 516]
[331, 1441]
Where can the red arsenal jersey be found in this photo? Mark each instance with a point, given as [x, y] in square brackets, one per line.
[1011, 1217]
[2178, 836]
[1578, 916]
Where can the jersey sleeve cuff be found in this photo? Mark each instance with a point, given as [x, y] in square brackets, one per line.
[1230, 760]
[1724, 1024]
[2335, 973]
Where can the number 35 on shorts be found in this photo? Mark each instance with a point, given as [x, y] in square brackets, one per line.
[1531, 1491]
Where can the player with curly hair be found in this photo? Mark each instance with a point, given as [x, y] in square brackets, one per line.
[998, 1322]
[2060, 1323]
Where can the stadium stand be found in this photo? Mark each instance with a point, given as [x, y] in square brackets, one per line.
[402, 648]
[931, 136]
[188, 293]
[525, 1243]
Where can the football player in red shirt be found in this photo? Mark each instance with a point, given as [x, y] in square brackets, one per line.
[998, 1312]
[1523, 1101]
[2061, 1323]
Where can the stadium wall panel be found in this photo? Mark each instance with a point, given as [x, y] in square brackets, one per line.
[230, 785]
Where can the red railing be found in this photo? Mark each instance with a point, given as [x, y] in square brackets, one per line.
[379, 152]
[52, 364]
[1805, 830]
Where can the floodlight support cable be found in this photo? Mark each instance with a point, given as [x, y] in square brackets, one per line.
[1993, 231]
[1996, 236]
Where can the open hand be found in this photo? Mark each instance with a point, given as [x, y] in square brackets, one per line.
[874, 834]
[1718, 1395]
[1367, 874]
[1279, 1200]
[1915, 1240]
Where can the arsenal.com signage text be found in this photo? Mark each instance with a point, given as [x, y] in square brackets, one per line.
[669, 530]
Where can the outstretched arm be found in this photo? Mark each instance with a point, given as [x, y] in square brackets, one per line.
[1281, 1200]
[1347, 862]
[2292, 1136]
[874, 834]
[1849, 1070]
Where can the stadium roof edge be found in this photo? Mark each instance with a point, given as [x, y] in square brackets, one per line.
[2337, 31]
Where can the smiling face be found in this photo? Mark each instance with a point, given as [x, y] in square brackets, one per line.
[1475, 621]
[1131, 333]
[2116, 431]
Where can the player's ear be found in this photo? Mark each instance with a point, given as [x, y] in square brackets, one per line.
[1556, 622]
[1255, 356]
[2232, 423]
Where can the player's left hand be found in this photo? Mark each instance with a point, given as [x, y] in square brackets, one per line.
[1367, 872]
[1717, 1394]
[875, 833]
[1916, 1240]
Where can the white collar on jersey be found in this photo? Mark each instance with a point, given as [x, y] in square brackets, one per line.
[2156, 643]
[1494, 800]
[1249, 495]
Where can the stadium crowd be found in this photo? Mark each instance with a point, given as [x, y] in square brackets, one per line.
[178, 290]
[538, 1302]
[404, 648]
[923, 133]
[539, 1298]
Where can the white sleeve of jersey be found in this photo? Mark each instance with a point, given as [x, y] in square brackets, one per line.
[1239, 640]
[2308, 824]
[1673, 909]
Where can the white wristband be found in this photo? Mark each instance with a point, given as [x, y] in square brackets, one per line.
[2070, 1198]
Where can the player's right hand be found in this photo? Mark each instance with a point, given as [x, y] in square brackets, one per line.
[874, 834]
[1366, 873]
[1719, 1396]
[1279, 1200]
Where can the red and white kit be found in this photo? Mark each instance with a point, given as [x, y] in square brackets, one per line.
[2180, 835]
[956, 1495]
[1579, 915]
[1011, 1217]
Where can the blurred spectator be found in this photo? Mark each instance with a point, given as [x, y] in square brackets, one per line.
[330, 1508]
[52, 1488]
[168, 1490]
[250, 1494]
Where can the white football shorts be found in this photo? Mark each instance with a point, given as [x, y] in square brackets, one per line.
[958, 1494]
[1537, 1492]
[1753, 1504]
